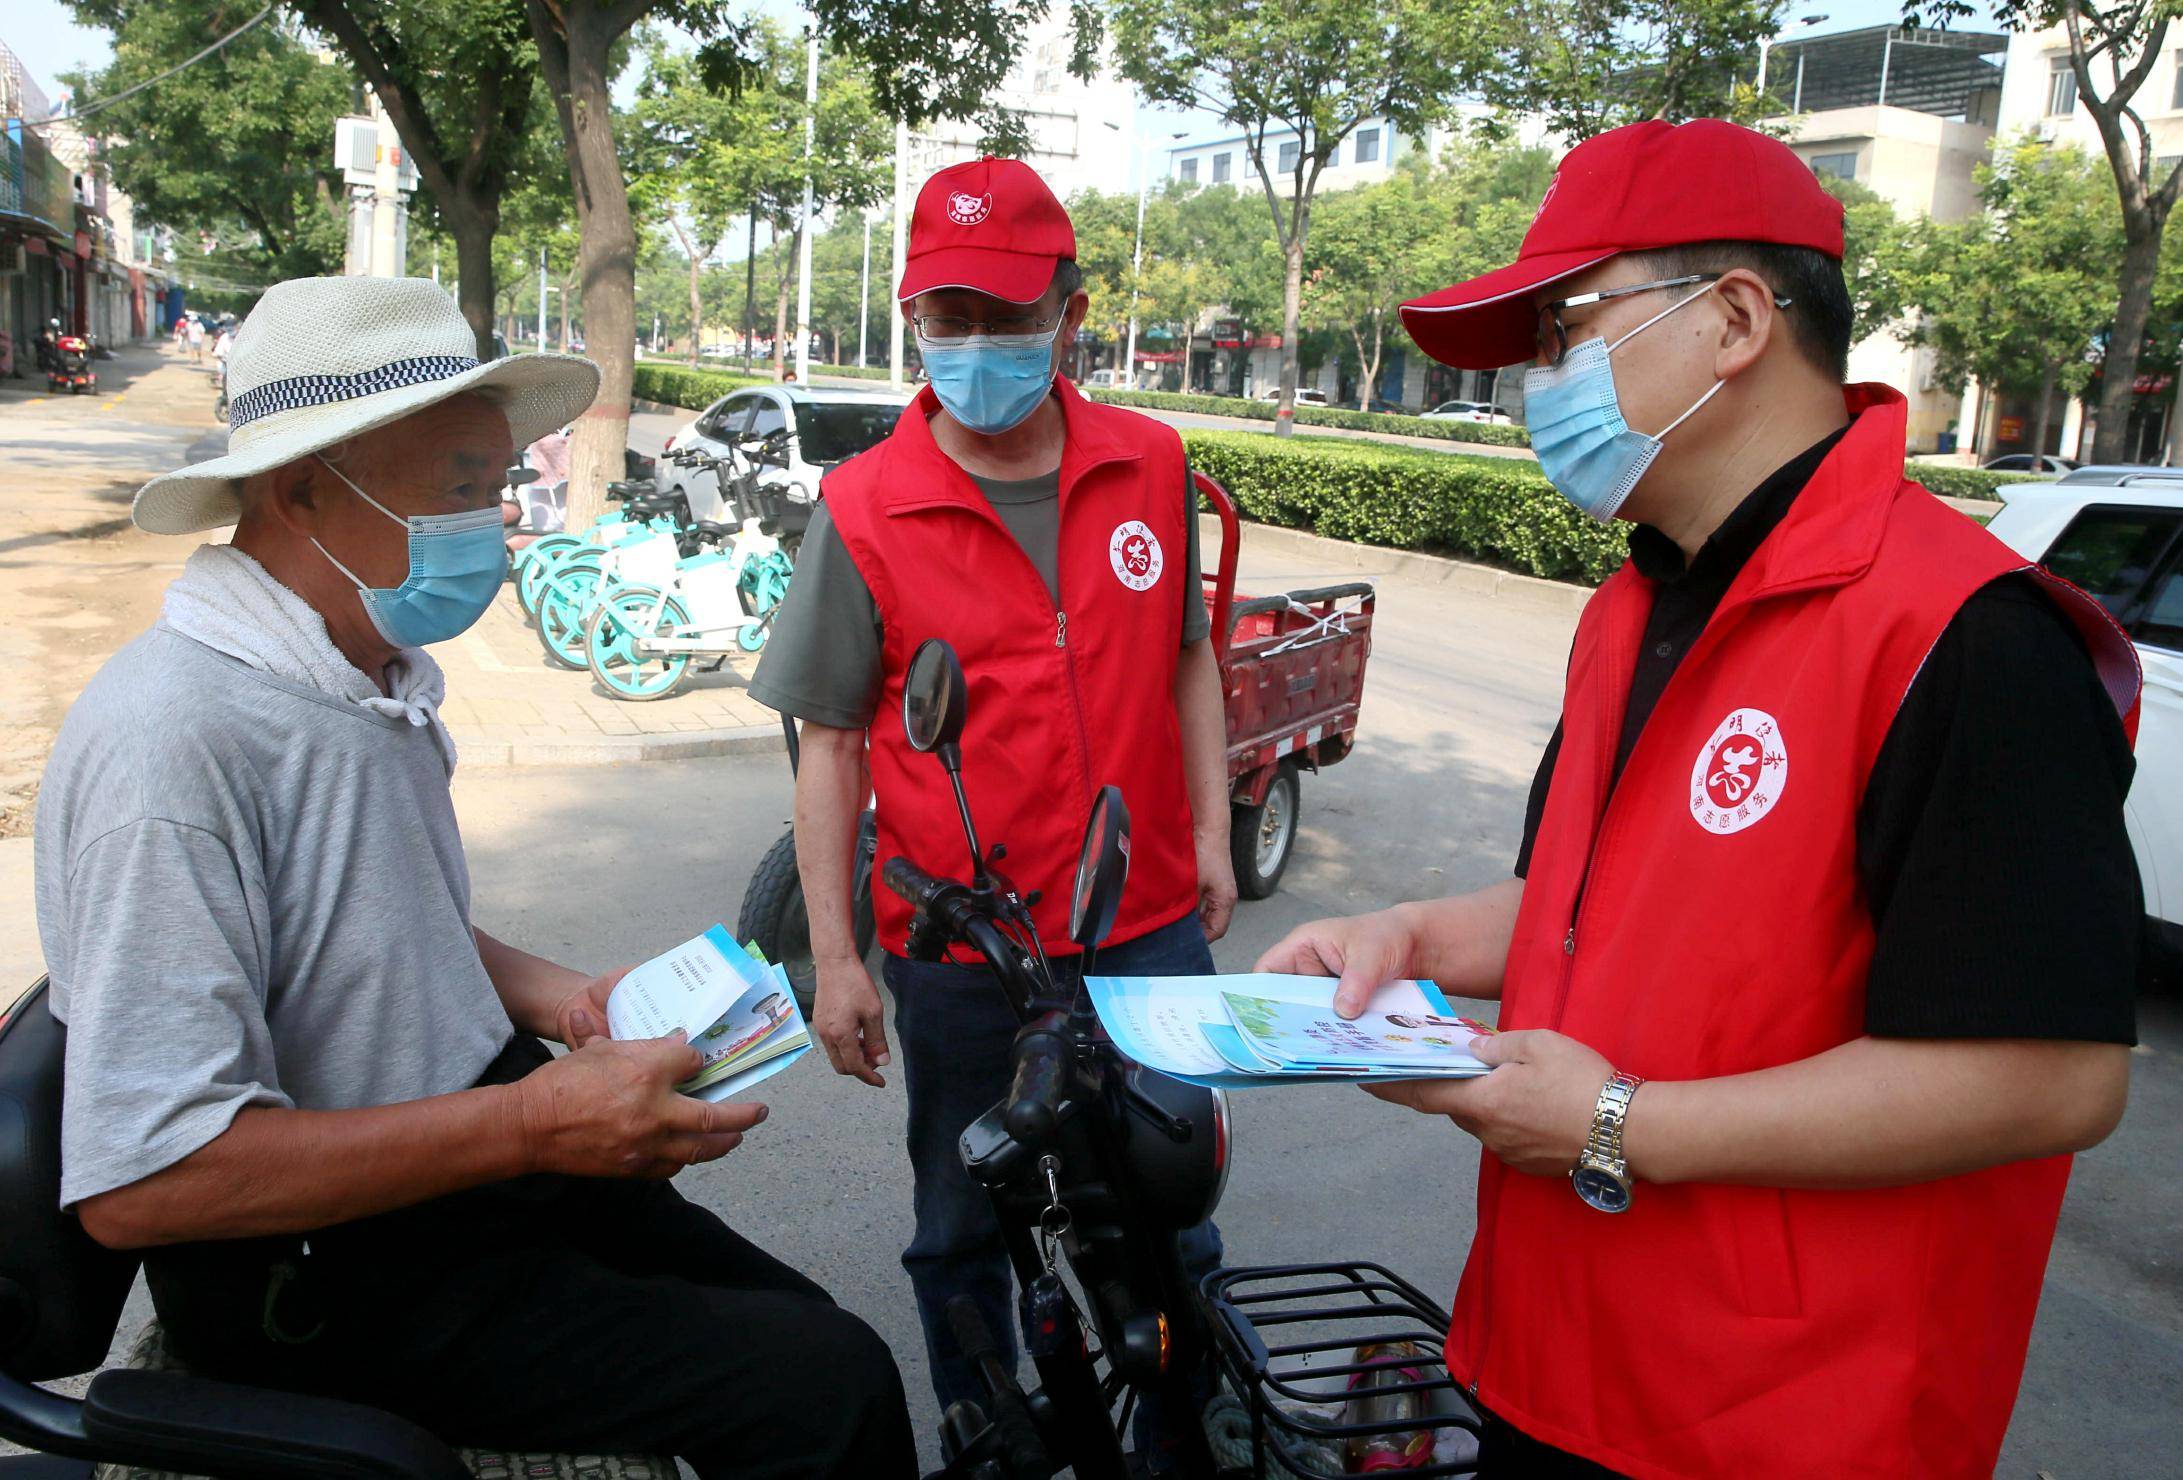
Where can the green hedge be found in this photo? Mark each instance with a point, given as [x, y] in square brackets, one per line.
[1318, 416]
[679, 385]
[1496, 509]
[1954, 482]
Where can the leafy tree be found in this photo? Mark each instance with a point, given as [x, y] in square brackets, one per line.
[1592, 65]
[2016, 293]
[236, 151]
[458, 80]
[1875, 244]
[1314, 69]
[2113, 49]
[1367, 256]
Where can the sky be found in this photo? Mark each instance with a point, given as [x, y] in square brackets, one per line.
[44, 34]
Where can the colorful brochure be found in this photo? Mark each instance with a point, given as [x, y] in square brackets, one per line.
[1233, 1032]
[737, 1010]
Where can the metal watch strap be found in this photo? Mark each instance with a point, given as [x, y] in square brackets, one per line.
[1604, 1145]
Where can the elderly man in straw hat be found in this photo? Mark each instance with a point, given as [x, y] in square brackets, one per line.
[298, 1077]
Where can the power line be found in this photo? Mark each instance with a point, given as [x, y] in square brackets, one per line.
[104, 103]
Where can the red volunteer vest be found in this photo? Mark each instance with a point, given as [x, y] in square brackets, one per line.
[1064, 698]
[1738, 1331]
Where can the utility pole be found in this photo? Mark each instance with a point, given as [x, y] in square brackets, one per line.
[901, 248]
[864, 291]
[803, 248]
[750, 283]
[541, 299]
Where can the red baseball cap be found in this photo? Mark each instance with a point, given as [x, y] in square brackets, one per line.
[990, 225]
[1630, 189]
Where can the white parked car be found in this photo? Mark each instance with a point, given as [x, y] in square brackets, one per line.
[1305, 396]
[825, 426]
[2118, 533]
[1485, 413]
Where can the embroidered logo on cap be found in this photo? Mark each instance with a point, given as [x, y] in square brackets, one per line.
[1134, 552]
[965, 209]
[1740, 773]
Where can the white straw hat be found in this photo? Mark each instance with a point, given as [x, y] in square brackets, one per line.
[322, 359]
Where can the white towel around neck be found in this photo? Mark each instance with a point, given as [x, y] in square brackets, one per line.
[231, 604]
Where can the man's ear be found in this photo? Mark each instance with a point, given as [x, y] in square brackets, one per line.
[290, 497]
[1751, 324]
[1072, 317]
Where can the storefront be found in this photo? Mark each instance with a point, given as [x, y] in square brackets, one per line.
[38, 277]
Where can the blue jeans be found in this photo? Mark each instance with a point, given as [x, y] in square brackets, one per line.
[956, 1028]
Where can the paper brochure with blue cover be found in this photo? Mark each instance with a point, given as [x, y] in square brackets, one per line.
[736, 1009]
[1234, 1032]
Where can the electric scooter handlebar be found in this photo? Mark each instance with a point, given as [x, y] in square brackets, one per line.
[1043, 1051]
[1042, 1054]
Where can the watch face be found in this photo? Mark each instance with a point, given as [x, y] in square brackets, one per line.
[1602, 1189]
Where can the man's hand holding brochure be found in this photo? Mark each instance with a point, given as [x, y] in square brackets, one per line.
[736, 1010]
[1233, 1032]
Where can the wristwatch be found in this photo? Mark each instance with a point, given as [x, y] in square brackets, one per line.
[1601, 1175]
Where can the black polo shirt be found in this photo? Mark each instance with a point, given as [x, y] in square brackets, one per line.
[1990, 840]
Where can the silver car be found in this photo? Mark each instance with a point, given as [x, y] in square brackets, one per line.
[825, 426]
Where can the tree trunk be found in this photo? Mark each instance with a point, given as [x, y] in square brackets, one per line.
[697, 310]
[2040, 415]
[2140, 260]
[1292, 311]
[575, 65]
[781, 328]
[472, 224]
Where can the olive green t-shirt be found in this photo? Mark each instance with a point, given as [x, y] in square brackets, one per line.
[822, 661]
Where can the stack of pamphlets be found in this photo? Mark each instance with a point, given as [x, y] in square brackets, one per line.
[1236, 1031]
[737, 1011]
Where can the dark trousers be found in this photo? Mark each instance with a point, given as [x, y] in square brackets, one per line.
[553, 1313]
[1506, 1452]
[956, 1029]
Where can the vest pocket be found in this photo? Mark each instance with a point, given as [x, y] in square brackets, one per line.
[1762, 1250]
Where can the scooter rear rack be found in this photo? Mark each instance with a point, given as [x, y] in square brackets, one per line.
[1286, 1336]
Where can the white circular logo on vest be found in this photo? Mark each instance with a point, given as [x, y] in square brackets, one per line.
[1740, 773]
[965, 209]
[1134, 552]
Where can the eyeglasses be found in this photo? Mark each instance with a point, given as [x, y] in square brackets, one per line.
[1553, 335]
[1009, 331]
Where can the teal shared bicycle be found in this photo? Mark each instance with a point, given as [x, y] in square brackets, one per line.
[718, 598]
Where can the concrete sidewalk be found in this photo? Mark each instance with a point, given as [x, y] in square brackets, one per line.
[507, 704]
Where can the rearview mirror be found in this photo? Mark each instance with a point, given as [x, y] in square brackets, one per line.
[934, 705]
[1102, 869]
[517, 477]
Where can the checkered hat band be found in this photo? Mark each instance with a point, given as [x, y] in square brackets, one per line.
[321, 390]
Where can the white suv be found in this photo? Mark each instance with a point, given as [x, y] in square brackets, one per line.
[2118, 533]
[825, 426]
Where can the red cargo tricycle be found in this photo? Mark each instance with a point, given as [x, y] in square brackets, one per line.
[1292, 671]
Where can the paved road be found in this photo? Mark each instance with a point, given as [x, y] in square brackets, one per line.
[602, 865]
[1462, 693]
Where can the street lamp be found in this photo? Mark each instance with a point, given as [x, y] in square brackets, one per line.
[1137, 248]
[1766, 44]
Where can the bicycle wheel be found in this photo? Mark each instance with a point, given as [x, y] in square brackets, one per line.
[564, 607]
[611, 647]
[535, 565]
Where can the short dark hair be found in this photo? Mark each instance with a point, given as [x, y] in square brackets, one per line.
[1068, 279]
[1819, 312]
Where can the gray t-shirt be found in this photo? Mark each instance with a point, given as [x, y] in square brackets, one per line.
[823, 659]
[249, 893]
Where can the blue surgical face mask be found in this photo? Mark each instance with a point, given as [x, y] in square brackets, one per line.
[456, 565]
[1585, 448]
[990, 382]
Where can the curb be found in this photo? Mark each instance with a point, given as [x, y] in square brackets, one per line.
[610, 750]
[1435, 570]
